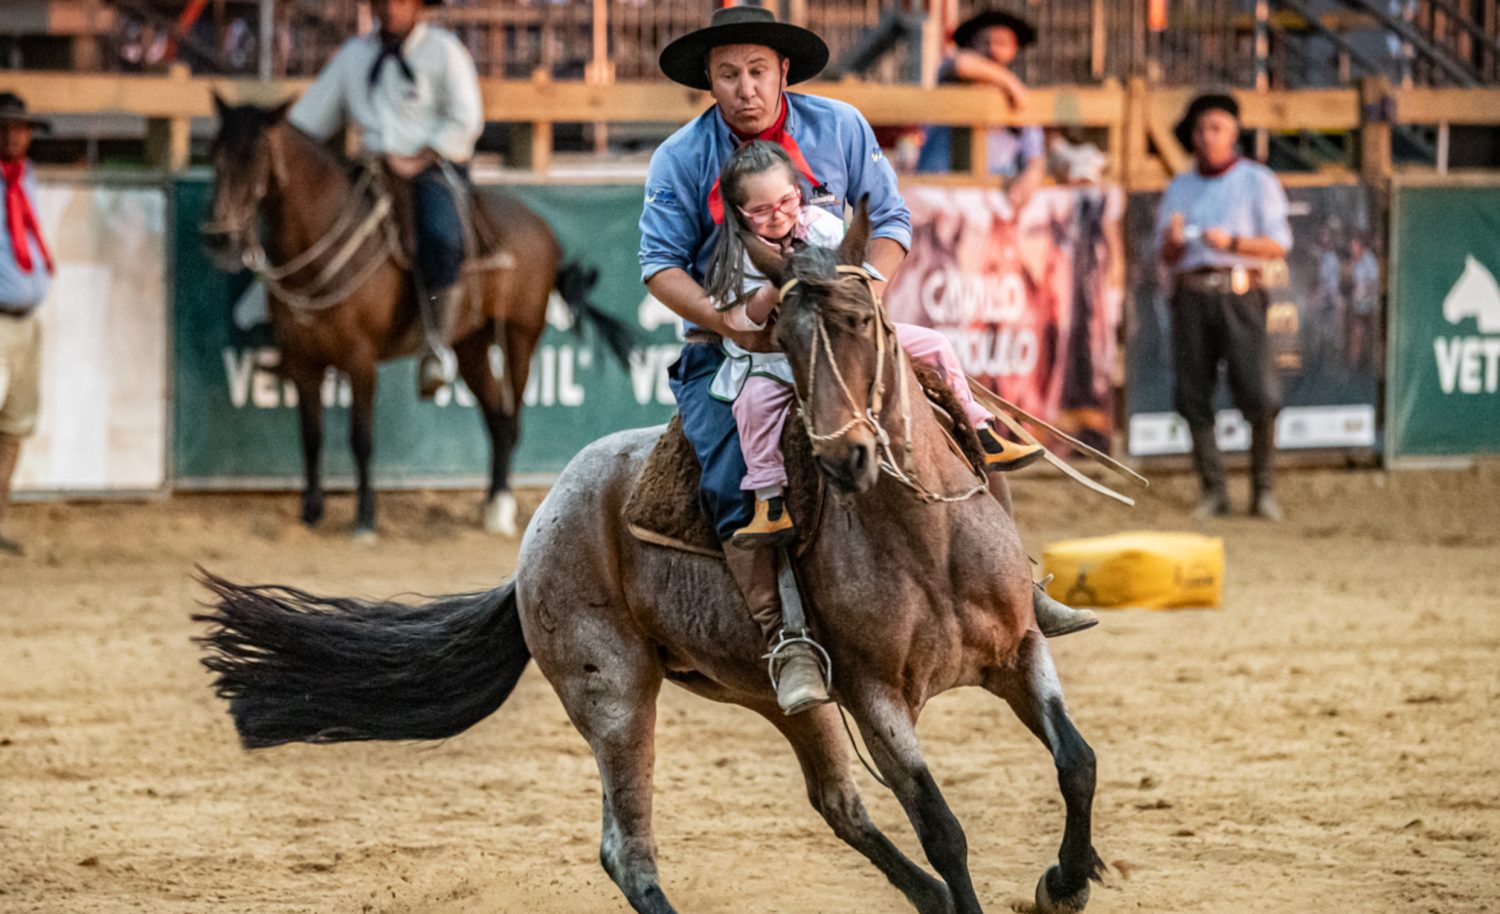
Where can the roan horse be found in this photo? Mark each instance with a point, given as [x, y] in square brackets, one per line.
[341, 295]
[913, 588]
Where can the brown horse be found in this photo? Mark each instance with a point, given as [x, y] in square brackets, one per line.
[913, 587]
[341, 294]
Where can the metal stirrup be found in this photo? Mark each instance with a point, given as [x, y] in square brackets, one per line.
[786, 639]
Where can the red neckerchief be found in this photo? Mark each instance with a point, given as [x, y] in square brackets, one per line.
[1215, 172]
[19, 218]
[777, 134]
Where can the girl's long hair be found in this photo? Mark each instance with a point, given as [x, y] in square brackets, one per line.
[725, 279]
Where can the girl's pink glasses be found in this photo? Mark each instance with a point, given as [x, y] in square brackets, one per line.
[789, 205]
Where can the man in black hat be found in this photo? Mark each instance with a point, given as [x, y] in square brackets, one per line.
[746, 59]
[1217, 228]
[25, 274]
[412, 90]
[987, 45]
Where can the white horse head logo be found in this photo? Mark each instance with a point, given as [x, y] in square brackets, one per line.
[1476, 295]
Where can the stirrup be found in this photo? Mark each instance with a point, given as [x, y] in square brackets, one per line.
[785, 638]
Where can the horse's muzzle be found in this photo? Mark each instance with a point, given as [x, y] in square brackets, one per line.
[851, 464]
[223, 249]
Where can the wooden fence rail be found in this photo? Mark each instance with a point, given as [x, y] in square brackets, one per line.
[1136, 119]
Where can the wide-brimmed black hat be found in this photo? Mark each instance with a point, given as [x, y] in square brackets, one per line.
[1208, 101]
[13, 109]
[685, 60]
[969, 29]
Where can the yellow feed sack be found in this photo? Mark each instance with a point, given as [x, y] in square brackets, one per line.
[1145, 569]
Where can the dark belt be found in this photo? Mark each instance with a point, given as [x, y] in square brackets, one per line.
[15, 312]
[1221, 280]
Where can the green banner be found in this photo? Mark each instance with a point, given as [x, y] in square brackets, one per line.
[234, 420]
[1443, 379]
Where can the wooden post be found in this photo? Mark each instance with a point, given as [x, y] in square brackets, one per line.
[1135, 148]
[1377, 108]
[600, 71]
[169, 140]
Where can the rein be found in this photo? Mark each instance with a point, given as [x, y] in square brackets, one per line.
[902, 471]
[321, 293]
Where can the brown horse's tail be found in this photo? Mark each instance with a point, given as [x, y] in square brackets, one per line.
[302, 668]
[575, 283]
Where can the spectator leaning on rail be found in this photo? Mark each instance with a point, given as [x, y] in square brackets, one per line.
[412, 90]
[25, 274]
[746, 59]
[1218, 226]
[988, 43]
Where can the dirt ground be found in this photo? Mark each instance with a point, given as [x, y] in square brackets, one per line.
[1327, 740]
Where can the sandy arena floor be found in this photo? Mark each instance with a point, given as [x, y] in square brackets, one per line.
[1327, 741]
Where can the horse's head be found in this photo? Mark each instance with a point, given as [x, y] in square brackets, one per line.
[840, 348]
[242, 176]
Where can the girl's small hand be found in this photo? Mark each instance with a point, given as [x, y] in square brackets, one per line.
[758, 306]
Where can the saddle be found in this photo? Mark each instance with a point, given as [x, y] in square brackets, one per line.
[664, 507]
[484, 241]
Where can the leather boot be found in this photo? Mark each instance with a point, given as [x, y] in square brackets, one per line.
[1056, 619]
[439, 366]
[771, 526]
[1214, 502]
[796, 671]
[1262, 456]
[10, 455]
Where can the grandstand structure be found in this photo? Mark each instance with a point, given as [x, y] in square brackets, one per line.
[1338, 83]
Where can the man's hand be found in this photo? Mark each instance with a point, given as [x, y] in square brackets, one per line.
[409, 167]
[751, 340]
[1015, 92]
[1177, 230]
[758, 306]
[1217, 238]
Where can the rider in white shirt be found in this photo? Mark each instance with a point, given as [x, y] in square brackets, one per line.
[411, 89]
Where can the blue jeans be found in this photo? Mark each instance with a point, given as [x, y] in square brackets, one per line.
[710, 429]
[439, 229]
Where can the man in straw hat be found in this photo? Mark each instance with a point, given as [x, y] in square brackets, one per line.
[1217, 227]
[987, 46]
[412, 90]
[746, 59]
[25, 274]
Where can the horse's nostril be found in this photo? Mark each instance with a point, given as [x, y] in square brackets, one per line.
[860, 457]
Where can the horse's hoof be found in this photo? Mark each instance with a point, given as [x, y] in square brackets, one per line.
[500, 514]
[311, 514]
[366, 536]
[1050, 901]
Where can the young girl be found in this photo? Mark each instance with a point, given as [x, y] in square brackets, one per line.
[763, 195]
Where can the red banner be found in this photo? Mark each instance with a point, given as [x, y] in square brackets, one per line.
[1031, 300]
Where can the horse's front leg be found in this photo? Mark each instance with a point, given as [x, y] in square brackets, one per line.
[1031, 687]
[362, 442]
[309, 383]
[889, 729]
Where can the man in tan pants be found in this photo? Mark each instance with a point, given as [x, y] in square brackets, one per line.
[25, 274]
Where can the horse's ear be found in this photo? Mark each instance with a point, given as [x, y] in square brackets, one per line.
[852, 251]
[221, 107]
[767, 259]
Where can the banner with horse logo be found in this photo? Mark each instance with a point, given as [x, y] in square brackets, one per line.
[234, 420]
[1030, 299]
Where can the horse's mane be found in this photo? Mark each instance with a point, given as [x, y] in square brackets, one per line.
[817, 268]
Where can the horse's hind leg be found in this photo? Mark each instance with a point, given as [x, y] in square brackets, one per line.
[1033, 691]
[889, 729]
[309, 383]
[819, 742]
[609, 687]
[499, 405]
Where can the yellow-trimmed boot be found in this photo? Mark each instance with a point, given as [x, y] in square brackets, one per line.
[771, 526]
[1001, 456]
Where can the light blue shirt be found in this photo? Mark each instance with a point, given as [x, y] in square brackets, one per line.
[1246, 201]
[22, 291]
[840, 148]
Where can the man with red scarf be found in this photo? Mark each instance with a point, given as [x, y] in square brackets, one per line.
[25, 274]
[746, 59]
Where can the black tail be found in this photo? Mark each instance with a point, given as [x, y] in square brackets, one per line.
[575, 283]
[298, 667]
